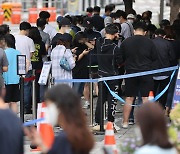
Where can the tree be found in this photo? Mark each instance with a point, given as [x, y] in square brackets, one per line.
[128, 5]
[175, 8]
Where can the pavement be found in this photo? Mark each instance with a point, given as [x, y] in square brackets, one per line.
[120, 136]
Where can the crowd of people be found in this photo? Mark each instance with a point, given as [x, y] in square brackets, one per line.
[91, 46]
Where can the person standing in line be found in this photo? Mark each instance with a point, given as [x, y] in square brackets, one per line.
[26, 46]
[97, 20]
[10, 77]
[108, 60]
[41, 23]
[11, 131]
[48, 28]
[139, 54]
[127, 29]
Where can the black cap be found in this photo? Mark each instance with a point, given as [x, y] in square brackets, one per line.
[88, 23]
[66, 37]
[65, 21]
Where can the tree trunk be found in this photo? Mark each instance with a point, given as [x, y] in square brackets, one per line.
[128, 5]
[175, 8]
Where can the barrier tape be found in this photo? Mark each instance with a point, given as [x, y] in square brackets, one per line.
[32, 122]
[154, 100]
[120, 76]
[29, 79]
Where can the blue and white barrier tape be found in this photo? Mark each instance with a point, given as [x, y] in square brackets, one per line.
[32, 122]
[120, 76]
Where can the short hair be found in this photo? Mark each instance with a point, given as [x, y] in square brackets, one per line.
[160, 32]
[140, 25]
[108, 8]
[4, 29]
[44, 14]
[121, 13]
[113, 6]
[41, 22]
[25, 25]
[113, 15]
[111, 29]
[164, 23]
[10, 40]
[89, 9]
[97, 9]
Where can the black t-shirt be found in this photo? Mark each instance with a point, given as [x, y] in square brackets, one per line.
[55, 40]
[139, 54]
[11, 133]
[36, 58]
[61, 145]
[98, 22]
[81, 70]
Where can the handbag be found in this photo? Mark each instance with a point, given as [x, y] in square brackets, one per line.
[64, 63]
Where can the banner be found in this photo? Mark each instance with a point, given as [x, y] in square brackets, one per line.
[73, 6]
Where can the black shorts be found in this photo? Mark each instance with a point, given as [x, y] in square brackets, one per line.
[143, 84]
[12, 93]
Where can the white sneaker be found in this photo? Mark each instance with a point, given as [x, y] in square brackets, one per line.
[86, 105]
[125, 125]
[116, 127]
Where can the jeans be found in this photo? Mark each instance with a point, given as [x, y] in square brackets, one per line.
[104, 95]
[79, 87]
[28, 92]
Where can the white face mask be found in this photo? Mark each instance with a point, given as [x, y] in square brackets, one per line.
[52, 114]
[117, 21]
[67, 30]
[130, 21]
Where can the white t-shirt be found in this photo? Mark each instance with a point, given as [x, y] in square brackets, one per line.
[26, 46]
[50, 30]
[153, 149]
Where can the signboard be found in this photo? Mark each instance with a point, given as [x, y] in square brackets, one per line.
[45, 73]
[21, 65]
[176, 98]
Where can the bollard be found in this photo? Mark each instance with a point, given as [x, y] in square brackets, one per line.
[91, 104]
[22, 98]
[34, 113]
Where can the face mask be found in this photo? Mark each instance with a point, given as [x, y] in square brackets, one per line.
[52, 114]
[67, 30]
[131, 21]
[117, 21]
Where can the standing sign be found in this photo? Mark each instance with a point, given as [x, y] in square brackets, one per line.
[176, 98]
[21, 65]
[45, 73]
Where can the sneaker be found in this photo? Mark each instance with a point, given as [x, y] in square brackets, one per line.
[125, 125]
[131, 122]
[86, 105]
[116, 128]
[96, 127]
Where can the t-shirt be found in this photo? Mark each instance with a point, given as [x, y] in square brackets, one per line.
[127, 29]
[26, 46]
[50, 30]
[139, 54]
[11, 76]
[36, 58]
[61, 145]
[153, 149]
[45, 37]
[11, 133]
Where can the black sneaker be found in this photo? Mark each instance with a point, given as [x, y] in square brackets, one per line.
[131, 122]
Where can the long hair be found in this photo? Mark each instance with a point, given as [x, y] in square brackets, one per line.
[75, 124]
[152, 123]
[34, 34]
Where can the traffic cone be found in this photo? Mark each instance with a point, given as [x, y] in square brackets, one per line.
[44, 128]
[109, 140]
[151, 96]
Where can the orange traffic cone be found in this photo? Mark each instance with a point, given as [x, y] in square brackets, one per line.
[109, 140]
[151, 96]
[44, 128]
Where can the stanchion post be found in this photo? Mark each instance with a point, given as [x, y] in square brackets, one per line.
[34, 96]
[22, 98]
[91, 104]
[101, 109]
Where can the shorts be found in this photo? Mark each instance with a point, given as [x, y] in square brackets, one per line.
[143, 84]
[12, 93]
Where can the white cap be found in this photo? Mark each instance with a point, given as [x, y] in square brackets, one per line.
[107, 21]
[131, 16]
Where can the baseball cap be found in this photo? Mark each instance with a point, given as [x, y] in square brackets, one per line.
[65, 21]
[88, 22]
[107, 21]
[59, 18]
[130, 16]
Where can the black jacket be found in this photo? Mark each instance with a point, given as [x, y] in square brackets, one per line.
[108, 55]
[98, 22]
